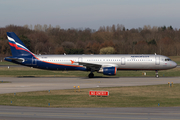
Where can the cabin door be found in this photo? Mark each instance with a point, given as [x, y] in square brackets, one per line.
[157, 60]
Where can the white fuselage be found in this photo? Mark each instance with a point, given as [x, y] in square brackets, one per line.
[122, 62]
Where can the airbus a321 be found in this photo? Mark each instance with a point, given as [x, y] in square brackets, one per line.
[105, 64]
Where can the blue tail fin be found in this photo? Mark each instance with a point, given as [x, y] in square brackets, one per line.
[17, 46]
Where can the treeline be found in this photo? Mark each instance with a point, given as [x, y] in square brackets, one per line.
[54, 40]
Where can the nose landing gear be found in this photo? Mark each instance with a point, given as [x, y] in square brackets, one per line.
[157, 74]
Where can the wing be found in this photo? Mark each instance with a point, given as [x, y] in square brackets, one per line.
[90, 65]
[95, 66]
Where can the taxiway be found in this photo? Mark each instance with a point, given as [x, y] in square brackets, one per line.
[26, 84]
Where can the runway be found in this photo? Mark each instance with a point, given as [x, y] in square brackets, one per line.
[26, 84]
[38, 84]
[37, 113]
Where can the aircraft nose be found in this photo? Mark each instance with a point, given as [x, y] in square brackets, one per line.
[174, 64]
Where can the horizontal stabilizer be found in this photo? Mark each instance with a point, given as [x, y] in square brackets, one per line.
[14, 59]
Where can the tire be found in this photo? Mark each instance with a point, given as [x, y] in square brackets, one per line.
[91, 75]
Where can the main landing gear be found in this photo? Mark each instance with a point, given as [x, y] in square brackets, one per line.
[157, 74]
[91, 75]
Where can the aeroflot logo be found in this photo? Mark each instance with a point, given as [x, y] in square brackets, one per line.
[15, 44]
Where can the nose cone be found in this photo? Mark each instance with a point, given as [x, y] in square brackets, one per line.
[174, 64]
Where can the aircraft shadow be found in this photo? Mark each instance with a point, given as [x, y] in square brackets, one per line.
[25, 76]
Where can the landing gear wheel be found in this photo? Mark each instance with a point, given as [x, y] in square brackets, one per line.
[91, 75]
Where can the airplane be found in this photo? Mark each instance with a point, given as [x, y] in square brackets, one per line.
[105, 64]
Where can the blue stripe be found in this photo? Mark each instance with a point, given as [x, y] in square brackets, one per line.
[12, 42]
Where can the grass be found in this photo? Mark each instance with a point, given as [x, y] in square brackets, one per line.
[7, 63]
[27, 71]
[32, 72]
[175, 59]
[141, 96]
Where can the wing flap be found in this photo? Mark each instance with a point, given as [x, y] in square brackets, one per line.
[95, 66]
[89, 64]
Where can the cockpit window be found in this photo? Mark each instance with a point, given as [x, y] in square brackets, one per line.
[167, 59]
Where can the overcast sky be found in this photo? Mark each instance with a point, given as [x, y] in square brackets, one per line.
[90, 13]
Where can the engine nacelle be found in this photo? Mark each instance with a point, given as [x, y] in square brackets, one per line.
[109, 70]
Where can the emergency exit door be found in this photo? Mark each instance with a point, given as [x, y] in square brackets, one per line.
[122, 61]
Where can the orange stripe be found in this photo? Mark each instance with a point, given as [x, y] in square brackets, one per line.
[115, 71]
[62, 64]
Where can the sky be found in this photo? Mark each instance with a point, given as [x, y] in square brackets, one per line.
[90, 13]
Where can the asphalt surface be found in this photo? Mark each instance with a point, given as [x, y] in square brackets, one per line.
[37, 84]
[26, 84]
[37, 113]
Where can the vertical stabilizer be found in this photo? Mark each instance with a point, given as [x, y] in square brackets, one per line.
[17, 46]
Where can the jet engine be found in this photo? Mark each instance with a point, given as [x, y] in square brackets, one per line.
[108, 70]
